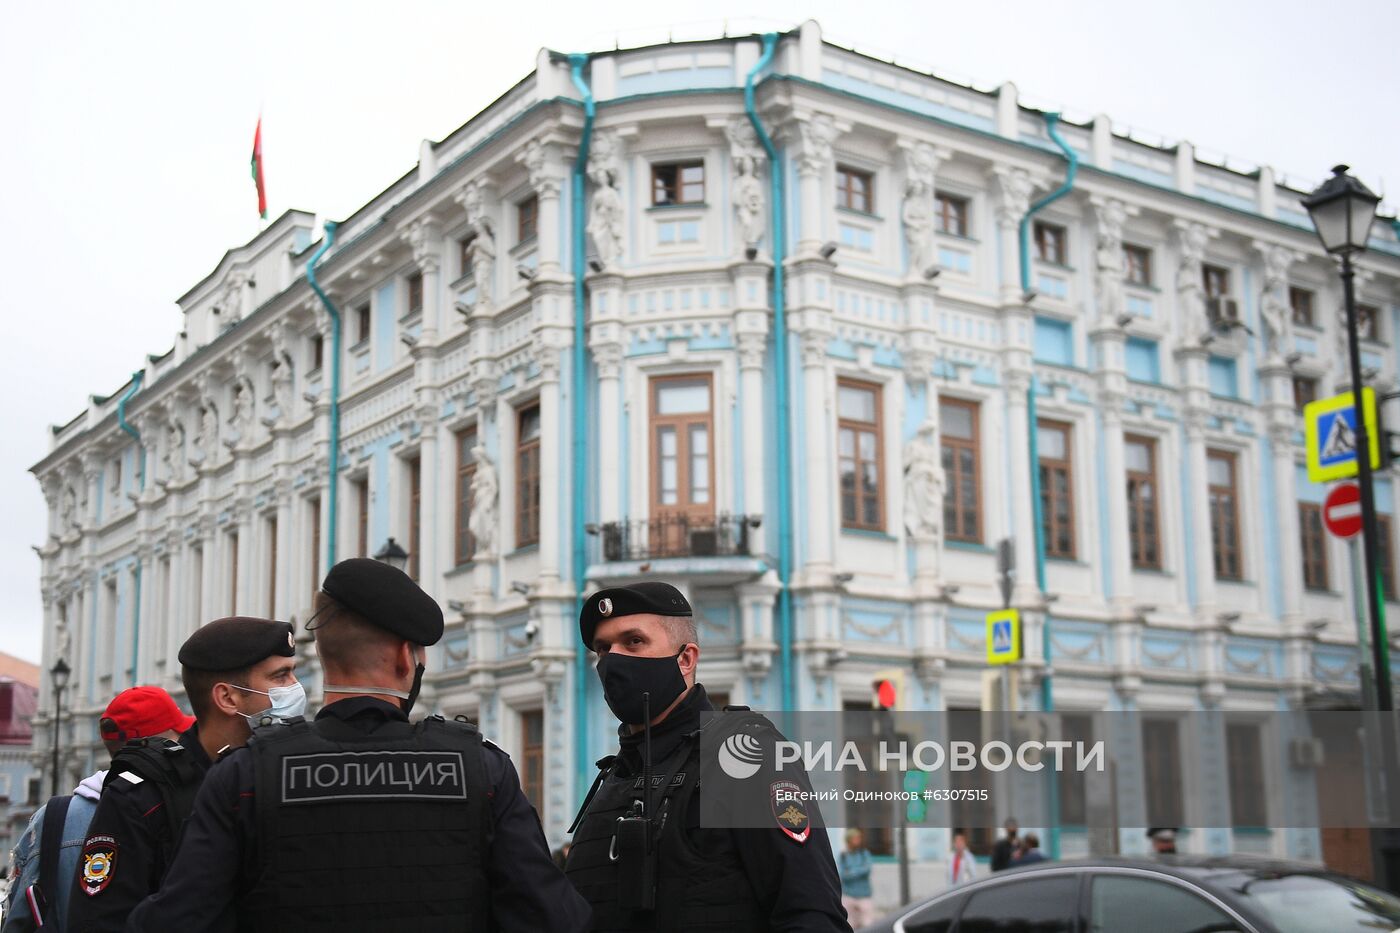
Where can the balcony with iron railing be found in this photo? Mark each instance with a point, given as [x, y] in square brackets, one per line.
[675, 542]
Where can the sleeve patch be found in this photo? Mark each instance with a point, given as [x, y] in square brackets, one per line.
[99, 859]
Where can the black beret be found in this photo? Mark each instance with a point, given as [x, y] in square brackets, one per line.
[652, 597]
[385, 597]
[235, 643]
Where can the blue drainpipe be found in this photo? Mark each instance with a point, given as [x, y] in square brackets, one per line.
[136, 379]
[775, 170]
[333, 484]
[580, 438]
[1047, 693]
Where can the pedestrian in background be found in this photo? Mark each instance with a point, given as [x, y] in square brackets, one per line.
[962, 866]
[1030, 851]
[1005, 847]
[854, 865]
[1163, 840]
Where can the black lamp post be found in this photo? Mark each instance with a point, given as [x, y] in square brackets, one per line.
[58, 676]
[393, 554]
[1342, 210]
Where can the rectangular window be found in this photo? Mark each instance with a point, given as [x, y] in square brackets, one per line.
[678, 183]
[682, 465]
[361, 487]
[1051, 243]
[465, 249]
[1137, 265]
[1162, 772]
[315, 516]
[1304, 391]
[527, 476]
[962, 503]
[415, 293]
[415, 516]
[1074, 727]
[527, 218]
[1224, 515]
[865, 812]
[1144, 531]
[1301, 301]
[1368, 322]
[1056, 488]
[859, 443]
[362, 322]
[466, 473]
[1215, 280]
[232, 573]
[1245, 761]
[1314, 546]
[854, 189]
[318, 352]
[1385, 556]
[272, 567]
[532, 757]
[951, 213]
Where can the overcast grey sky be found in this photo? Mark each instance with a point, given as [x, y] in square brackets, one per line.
[128, 129]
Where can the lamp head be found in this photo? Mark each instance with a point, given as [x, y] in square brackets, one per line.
[1342, 211]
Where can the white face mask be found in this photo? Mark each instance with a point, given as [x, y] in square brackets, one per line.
[287, 703]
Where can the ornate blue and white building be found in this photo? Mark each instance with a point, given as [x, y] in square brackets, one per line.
[1177, 312]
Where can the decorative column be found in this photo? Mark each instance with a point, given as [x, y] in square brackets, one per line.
[1018, 383]
[817, 410]
[921, 161]
[542, 160]
[551, 459]
[1277, 381]
[1110, 371]
[1192, 357]
[815, 133]
[1014, 187]
[607, 360]
[1199, 550]
[751, 335]
[424, 237]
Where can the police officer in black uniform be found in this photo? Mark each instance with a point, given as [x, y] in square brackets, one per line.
[661, 870]
[361, 820]
[235, 670]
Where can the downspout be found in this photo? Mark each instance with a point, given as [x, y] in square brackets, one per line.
[136, 379]
[580, 438]
[333, 483]
[1047, 692]
[781, 364]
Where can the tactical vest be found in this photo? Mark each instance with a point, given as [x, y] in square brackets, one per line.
[700, 882]
[173, 770]
[385, 831]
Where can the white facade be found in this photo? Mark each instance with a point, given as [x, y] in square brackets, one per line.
[234, 420]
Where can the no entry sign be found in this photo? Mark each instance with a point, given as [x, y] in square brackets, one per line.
[1341, 512]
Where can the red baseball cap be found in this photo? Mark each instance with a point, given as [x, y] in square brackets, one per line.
[141, 712]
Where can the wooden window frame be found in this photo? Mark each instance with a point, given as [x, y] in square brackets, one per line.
[955, 530]
[1305, 390]
[1368, 325]
[1143, 252]
[318, 353]
[527, 478]
[464, 545]
[858, 427]
[361, 516]
[1245, 777]
[1212, 275]
[1314, 546]
[1135, 507]
[233, 573]
[271, 526]
[1223, 550]
[1048, 235]
[673, 195]
[532, 777]
[656, 420]
[466, 246]
[951, 212]
[1164, 784]
[315, 505]
[847, 194]
[527, 219]
[1050, 526]
[364, 324]
[415, 515]
[1301, 303]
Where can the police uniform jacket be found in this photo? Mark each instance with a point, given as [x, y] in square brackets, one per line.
[219, 860]
[130, 842]
[788, 883]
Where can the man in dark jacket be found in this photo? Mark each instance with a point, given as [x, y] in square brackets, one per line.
[1005, 847]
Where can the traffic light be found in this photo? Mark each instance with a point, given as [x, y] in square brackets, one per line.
[887, 690]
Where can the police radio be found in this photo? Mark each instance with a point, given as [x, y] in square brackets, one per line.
[634, 839]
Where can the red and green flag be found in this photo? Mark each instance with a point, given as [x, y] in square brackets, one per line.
[258, 178]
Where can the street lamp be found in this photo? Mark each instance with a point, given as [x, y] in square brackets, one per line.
[1342, 211]
[58, 676]
[393, 554]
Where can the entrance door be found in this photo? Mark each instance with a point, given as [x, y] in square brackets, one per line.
[682, 468]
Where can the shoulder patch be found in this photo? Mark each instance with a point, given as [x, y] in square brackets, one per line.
[789, 810]
[131, 776]
[99, 860]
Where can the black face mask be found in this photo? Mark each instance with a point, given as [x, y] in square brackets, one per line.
[626, 677]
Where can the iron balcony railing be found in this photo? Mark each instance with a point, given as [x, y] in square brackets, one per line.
[676, 535]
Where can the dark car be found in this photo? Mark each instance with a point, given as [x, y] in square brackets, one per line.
[1171, 894]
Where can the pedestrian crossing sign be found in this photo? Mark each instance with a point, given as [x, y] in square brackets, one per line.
[1331, 435]
[1003, 636]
